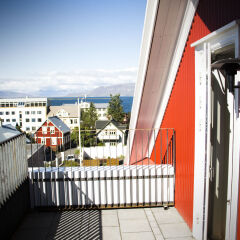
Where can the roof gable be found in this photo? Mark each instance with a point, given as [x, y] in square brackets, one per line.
[102, 124]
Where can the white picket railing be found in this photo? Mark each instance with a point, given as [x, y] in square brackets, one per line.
[103, 186]
[13, 166]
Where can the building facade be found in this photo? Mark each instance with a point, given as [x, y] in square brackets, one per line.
[111, 133]
[178, 88]
[101, 109]
[28, 113]
[68, 113]
[53, 133]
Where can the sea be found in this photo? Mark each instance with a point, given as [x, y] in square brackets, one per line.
[126, 101]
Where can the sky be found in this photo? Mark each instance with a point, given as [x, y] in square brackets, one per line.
[60, 47]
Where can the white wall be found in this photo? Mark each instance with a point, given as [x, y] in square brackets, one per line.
[105, 151]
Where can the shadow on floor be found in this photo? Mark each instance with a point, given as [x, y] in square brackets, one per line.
[85, 224]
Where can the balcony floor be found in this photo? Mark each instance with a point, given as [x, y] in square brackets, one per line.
[125, 224]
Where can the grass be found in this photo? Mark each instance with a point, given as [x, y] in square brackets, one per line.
[70, 164]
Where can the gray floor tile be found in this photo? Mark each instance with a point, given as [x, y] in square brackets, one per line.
[110, 221]
[167, 216]
[111, 233]
[109, 212]
[175, 230]
[31, 233]
[138, 236]
[131, 213]
[134, 225]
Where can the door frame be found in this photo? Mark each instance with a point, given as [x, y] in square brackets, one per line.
[227, 35]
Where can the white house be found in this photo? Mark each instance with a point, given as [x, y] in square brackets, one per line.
[68, 113]
[111, 133]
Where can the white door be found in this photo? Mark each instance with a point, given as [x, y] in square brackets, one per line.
[217, 141]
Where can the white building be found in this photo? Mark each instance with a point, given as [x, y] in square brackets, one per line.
[101, 109]
[111, 133]
[28, 113]
[68, 113]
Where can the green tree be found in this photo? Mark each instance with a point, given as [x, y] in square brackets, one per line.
[88, 133]
[89, 117]
[115, 108]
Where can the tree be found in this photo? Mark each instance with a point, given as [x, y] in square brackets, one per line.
[89, 117]
[88, 133]
[115, 108]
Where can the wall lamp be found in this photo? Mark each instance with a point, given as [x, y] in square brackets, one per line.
[230, 66]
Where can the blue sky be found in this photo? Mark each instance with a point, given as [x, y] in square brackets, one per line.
[57, 47]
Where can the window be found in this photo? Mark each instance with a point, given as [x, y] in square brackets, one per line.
[27, 112]
[1, 113]
[13, 113]
[33, 128]
[33, 112]
[27, 128]
[7, 113]
[99, 115]
[75, 120]
[52, 130]
[13, 120]
[113, 143]
[43, 141]
[39, 119]
[112, 132]
[44, 130]
[7, 120]
[39, 112]
[71, 121]
[27, 120]
[33, 120]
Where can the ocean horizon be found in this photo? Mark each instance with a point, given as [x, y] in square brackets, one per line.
[58, 101]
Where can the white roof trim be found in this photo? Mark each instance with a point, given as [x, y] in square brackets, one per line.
[216, 33]
[148, 30]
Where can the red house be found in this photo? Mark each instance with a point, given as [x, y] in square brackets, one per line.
[180, 87]
[53, 133]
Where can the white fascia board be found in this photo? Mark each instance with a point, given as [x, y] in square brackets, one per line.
[148, 30]
[149, 25]
[177, 56]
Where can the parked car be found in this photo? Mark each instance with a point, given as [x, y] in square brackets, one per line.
[70, 157]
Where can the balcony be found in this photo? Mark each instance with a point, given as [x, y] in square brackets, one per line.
[110, 224]
[87, 199]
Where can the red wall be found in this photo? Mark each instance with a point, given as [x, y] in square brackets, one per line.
[180, 111]
[57, 134]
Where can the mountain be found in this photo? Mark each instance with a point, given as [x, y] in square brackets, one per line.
[122, 89]
[10, 94]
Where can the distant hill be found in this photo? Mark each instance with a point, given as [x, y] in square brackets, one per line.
[10, 94]
[122, 89]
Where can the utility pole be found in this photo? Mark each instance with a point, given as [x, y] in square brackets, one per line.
[79, 132]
